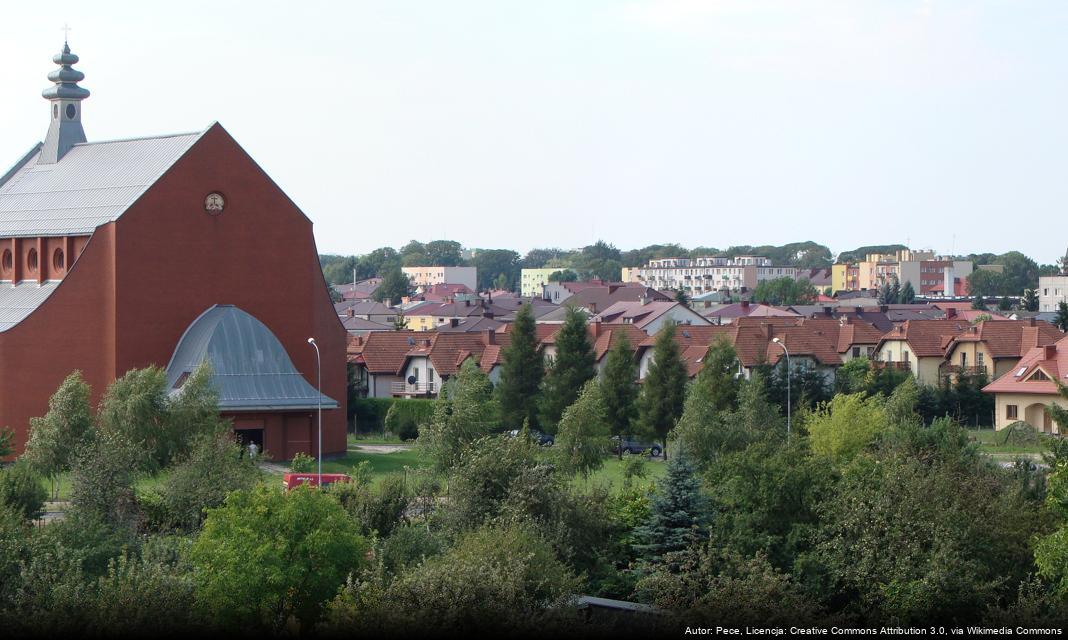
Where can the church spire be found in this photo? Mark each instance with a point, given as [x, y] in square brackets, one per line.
[65, 129]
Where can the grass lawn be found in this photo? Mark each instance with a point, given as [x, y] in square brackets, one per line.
[993, 443]
[611, 474]
[372, 438]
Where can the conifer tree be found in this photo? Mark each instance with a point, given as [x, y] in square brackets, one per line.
[582, 441]
[663, 392]
[618, 388]
[522, 370]
[908, 294]
[573, 365]
[703, 431]
[677, 515]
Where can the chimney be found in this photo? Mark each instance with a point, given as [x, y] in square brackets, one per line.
[467, 303]
[488, 337]
[883, 308]
[352, 312]
[765, 327]
[1049, 352]
[643, 299]
[1031, 321]
[592, 307]
[708, 304]
[596, 328]
[828, 311]
[858, 310]
[745, 305]
[951, 313]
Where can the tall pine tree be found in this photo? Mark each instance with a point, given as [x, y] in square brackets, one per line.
[618, 388]
[664, 389]
[573, 365]
[522, 370]
[908, 293]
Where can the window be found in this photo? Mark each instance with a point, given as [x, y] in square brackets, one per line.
[1010, 412]
[1039, 375]
[31, 260]
[7, 261]
[856, 352]
[904, 356]
[58, 260]
[963, 360]
[979, 360]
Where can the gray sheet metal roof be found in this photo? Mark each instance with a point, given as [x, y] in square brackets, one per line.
[251, 369]
[18, 301]
[93, 184]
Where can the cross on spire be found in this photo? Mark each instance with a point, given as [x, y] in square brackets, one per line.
[66, 32]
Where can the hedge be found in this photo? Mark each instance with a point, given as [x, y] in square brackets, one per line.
[408, 414]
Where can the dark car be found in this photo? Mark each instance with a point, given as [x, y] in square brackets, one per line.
[632, 446]
[543, 439]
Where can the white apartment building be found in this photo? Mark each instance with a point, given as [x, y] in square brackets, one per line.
[430, 276]
[1052, 291]
[695, 276]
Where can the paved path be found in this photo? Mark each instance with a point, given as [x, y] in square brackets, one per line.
[380, 448]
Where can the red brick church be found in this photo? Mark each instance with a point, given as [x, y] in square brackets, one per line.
[167, 250]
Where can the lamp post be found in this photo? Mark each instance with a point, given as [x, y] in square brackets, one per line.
[787, 352]
[319, 401]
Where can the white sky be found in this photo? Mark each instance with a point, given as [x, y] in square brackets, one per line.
[521, 123]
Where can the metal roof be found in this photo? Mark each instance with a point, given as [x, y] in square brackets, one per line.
[93, 184]
[18, 301]
[250, 367]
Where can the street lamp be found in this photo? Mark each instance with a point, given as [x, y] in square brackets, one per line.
[787, 351]
[319, 400]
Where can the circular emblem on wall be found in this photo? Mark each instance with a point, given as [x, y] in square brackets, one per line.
[214, 203]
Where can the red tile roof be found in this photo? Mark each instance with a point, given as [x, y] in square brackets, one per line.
[382, 351]
[1009, 338]
[1051, 359]
[926, 338]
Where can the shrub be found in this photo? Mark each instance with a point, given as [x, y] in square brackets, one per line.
[370, 414]
[21, 489]
[302, 463]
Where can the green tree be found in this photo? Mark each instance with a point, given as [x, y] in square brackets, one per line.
[522, 370]
[1061, 321]
[663, 392]
[984, 283]
[200, 481]
[443, 253]
[703, 431]
[852, 376]
[394, 286]
[266, 557]
[497, 268]
[678, 513]
[843, 427]
[7, 442]
[102, 478]
[21, 490]
[160, 426]
[563, 275]
[573, 365]
[463, 413]
[785, 291]
[501, 578]
[618, 388]
[582, 438]
[908, 294]
[1030, 300]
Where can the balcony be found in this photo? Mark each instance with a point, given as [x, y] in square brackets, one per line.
[951, 370]
[401, 389]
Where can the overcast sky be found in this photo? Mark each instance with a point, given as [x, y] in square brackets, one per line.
[526, 123]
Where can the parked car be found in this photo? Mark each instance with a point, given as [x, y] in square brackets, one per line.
[293, 480]
[629, 445]
[543, 439]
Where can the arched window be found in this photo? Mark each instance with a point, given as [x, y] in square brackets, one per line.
[58, 260]
[31, 261]
[7, 262]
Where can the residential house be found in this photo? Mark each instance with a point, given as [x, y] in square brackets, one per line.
[362, 290]
[994, 348]
[919, 346]
[728, 313]
[1024, 393]
[648, 316]
[430, 315]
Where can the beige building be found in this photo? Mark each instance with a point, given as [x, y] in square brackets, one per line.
[422, 277]
[919, 346]
[1052, 291]
[995, 347]
[1024, 393]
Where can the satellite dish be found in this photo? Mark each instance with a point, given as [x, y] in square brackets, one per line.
[411, 379]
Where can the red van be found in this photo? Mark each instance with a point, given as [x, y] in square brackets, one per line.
[291, 480]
